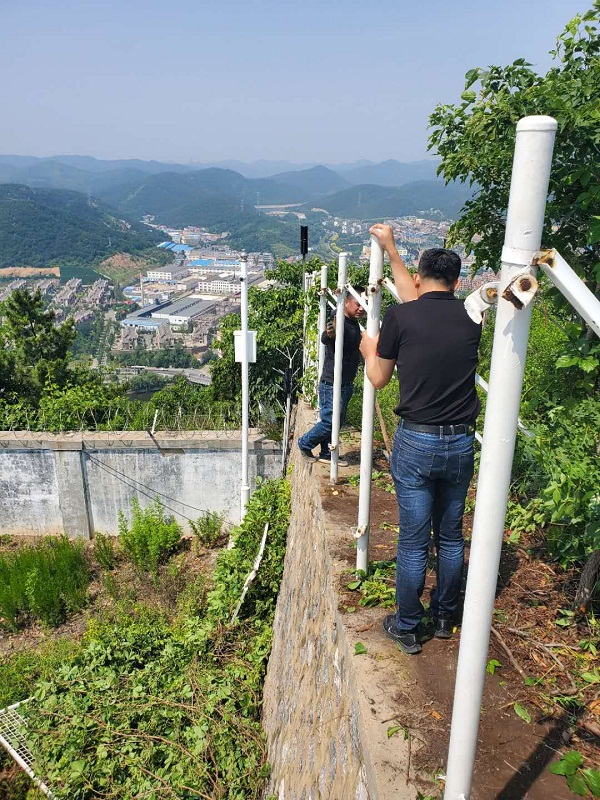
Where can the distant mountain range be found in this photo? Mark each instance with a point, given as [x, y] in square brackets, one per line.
[420, 198]
[87, 172]
[99, 194]
[391, 173]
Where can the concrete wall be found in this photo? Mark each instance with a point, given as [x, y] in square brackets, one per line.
[77, 483]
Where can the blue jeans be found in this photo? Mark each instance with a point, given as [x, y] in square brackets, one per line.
[432, 475]
[320, 434]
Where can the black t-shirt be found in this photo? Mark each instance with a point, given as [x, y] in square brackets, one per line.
[351, 357]
[434, 343]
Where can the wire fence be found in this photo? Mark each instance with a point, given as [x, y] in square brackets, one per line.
[143, 417]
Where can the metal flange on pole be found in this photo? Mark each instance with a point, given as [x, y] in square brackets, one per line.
[368, 411]
[337, 366]
[245, 487]
[524, 223]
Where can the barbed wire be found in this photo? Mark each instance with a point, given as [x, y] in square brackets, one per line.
[94, 419]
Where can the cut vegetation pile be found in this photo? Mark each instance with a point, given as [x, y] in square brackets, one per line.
[162, 700]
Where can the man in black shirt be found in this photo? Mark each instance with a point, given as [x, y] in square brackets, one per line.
[320, 434]
[433, 343]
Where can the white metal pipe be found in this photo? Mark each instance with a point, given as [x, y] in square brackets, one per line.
[368, 412]
[484, 385]
[337, 365]
[322, 324]
[322, 316]
[286, 433]
[524, 223]
[359, 298]
[251, 575]
[245, 487]
[572, 287]
[389, 285]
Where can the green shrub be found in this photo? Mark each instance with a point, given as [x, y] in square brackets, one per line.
[151, 537]
[46, 582]
[104, 551]
[191, 601]
[557, 481]
[208, 528]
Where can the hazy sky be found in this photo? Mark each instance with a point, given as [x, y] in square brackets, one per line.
[204, 80]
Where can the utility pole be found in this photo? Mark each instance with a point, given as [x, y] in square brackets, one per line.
[245, 487]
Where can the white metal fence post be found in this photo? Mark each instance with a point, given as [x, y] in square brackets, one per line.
[524, 223]
[337, 365]
[368, 411]
[322, 319]
[245, 488]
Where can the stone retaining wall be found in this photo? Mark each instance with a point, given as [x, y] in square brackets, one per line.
[323, 739]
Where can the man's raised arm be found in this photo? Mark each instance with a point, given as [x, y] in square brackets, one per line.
[402, 277]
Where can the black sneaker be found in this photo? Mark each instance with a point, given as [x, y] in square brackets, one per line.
[443, 628]
[307, 454]
[407, 641]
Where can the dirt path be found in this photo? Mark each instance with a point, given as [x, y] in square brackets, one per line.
[513, 755]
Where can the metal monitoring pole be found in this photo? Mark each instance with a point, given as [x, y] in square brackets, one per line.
[524, 223]
[340, 315]
[245, 487]
[368, 411]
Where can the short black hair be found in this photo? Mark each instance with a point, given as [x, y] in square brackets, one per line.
[440, 265]
[359, 289]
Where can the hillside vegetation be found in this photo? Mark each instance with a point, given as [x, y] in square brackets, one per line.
[420, 198]
[220, 199]
[43, 227]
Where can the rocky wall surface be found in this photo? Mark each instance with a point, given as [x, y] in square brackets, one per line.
[317, 708]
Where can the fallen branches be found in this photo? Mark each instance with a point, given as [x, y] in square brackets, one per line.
[509, 653]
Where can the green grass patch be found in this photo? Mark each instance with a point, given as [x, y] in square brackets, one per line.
[45, 582]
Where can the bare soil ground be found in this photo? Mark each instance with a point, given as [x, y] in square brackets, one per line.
[528, 641]
[124, 267]
[29, 272]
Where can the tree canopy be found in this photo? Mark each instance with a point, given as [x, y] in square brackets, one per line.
[475, 140]
[35, 351]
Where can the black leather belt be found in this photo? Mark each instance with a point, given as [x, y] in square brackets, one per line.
[329, 383]
[440, 430]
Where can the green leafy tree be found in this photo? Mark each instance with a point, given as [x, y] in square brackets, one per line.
[35, 348]
[475, 140]
[276, 314]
